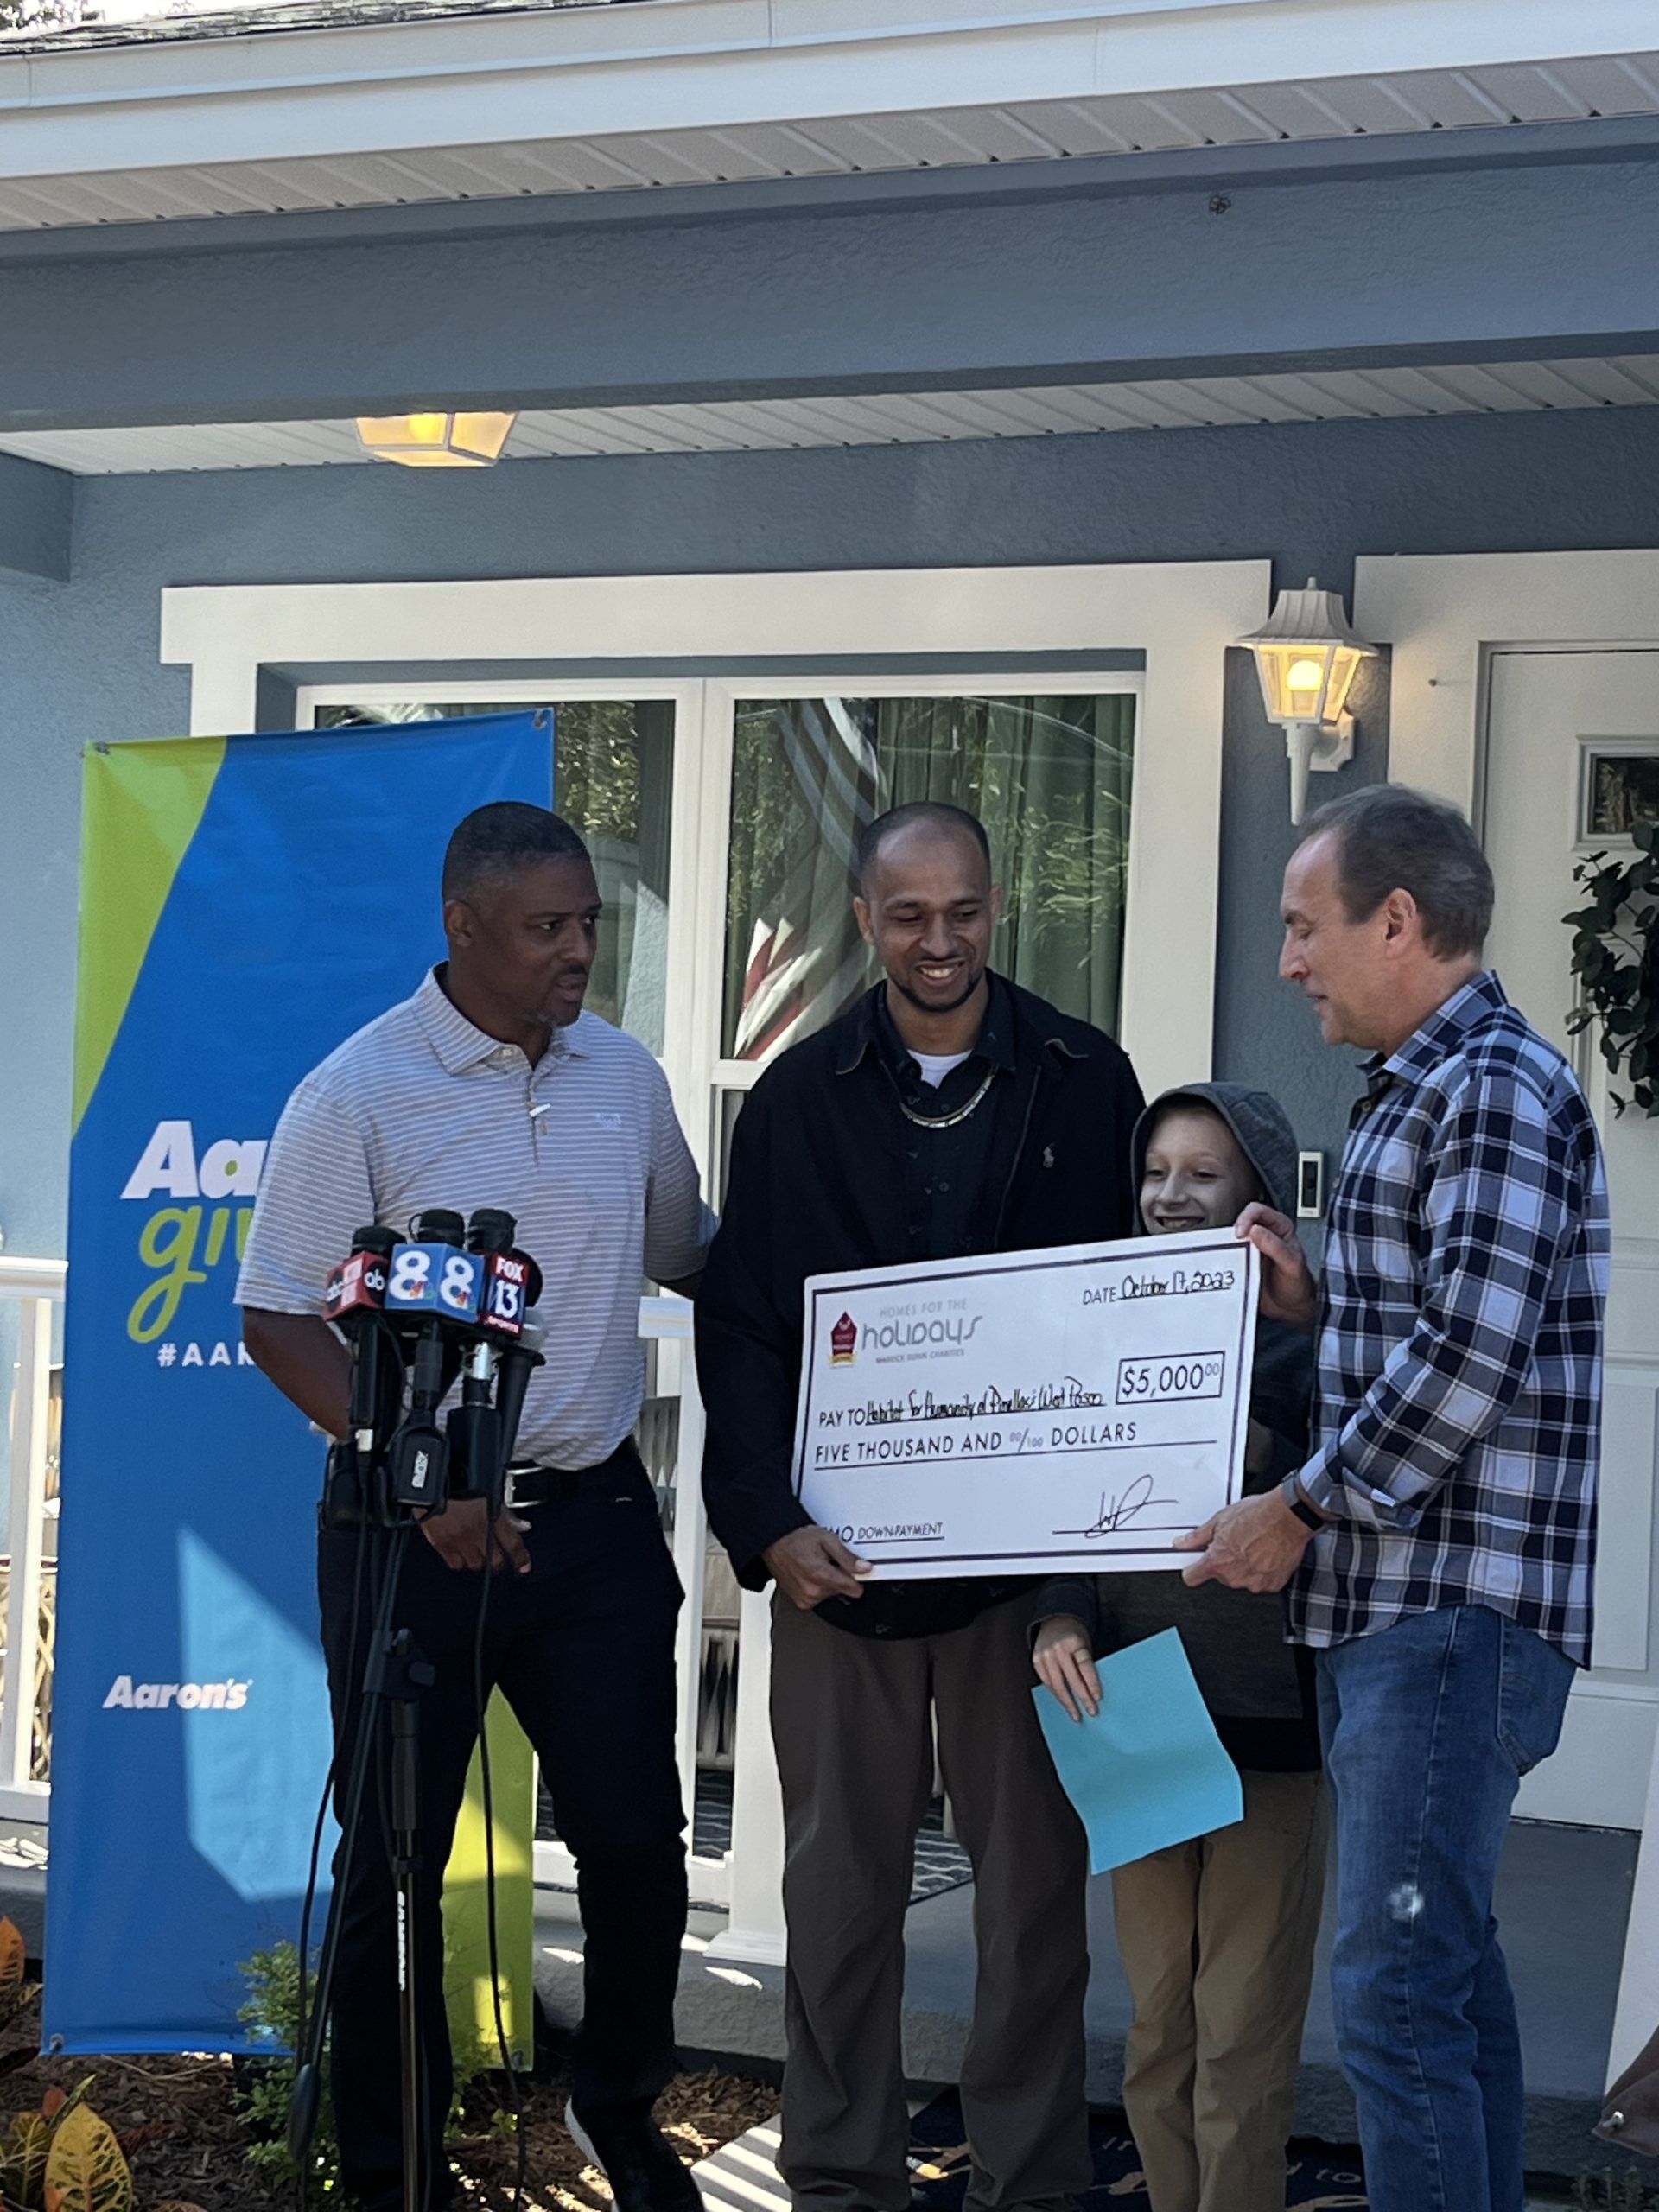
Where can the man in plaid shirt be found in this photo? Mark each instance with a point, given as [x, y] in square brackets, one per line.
[1439, 1545]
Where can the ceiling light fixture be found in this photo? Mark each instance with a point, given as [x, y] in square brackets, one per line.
[436, 441]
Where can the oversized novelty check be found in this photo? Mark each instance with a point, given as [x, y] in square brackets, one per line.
[1028, 1411]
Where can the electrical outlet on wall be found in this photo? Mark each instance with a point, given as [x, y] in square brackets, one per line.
[1310, 1187]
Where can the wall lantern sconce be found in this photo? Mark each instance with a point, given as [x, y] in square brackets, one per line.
[436, 441]
[1306, 657]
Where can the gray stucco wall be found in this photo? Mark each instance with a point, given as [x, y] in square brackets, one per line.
[78, 660]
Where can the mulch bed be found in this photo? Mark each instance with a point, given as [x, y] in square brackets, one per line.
[179, 2123]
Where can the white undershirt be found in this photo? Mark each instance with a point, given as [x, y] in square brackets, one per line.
[935, 1066]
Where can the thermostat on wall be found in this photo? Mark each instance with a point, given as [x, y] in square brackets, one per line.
[1310, 1185]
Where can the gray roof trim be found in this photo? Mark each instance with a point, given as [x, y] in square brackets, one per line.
[1603, 140]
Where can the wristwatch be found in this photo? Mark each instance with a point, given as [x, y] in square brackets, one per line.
[1296, 1499]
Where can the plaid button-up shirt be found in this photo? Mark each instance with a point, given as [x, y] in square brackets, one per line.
[1458, 1409]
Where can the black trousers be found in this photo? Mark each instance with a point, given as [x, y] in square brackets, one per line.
[582, 1649]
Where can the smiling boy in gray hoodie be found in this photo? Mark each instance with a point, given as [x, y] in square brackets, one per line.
[1216, 1936]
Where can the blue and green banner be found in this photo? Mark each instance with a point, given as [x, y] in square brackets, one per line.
[246, 904]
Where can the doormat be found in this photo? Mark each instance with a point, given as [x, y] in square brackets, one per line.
[1321, 2178]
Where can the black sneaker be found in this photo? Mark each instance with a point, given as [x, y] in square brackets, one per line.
[636, 2158]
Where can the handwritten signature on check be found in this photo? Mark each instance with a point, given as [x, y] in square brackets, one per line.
[1116, 1512]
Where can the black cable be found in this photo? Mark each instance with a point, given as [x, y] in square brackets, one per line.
[305, 1944]
[515, 2097]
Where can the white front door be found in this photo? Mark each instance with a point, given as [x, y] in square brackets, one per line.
[1543, 707]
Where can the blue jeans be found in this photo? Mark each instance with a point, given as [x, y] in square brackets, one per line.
[1428, 1728]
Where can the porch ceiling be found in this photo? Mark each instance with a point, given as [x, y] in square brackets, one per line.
[698, 93]
[898, 418]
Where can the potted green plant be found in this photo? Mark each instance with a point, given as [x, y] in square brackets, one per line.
[1616, 960]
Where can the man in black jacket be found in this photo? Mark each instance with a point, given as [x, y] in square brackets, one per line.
[950, 1113]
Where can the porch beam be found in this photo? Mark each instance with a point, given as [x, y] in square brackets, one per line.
[1470, 263]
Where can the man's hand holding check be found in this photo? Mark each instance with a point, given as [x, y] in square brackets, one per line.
[810, 1565]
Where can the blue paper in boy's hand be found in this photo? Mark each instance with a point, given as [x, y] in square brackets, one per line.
[1148, 1770]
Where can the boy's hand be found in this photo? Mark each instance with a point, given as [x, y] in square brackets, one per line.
[1065, 1666]
[1287, 1291]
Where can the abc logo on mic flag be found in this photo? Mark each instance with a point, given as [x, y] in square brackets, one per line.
[246, 904]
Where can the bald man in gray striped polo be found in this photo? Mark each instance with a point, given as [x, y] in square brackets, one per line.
[492, 1087]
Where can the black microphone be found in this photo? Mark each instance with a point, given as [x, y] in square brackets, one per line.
[490, 1229]
[477, 1468]
[438, 1226]
[512, 1281]
[519, 1363]
[426, 1286]
[354, 1302]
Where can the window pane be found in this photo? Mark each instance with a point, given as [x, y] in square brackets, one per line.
[1622, 791]
[1050, 778]
[613, 780]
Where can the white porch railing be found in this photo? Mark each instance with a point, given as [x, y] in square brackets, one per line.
[35, 1286]
[746, 1879]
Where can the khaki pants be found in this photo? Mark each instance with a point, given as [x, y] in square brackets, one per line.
[852, 1719]
[1217, 1938]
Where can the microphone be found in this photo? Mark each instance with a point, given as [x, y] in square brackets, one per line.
[476, 1466]
[354, 1304]
[490, 1229]
[512, 1281]
[520, 1360]
[434, 1285]
[505, 1291]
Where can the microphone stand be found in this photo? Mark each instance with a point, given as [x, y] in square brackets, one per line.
[395, 1675]
[406, 1674]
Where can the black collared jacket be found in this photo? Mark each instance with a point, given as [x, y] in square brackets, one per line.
[817, 1185]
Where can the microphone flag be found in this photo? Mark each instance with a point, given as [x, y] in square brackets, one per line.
[434, 1281]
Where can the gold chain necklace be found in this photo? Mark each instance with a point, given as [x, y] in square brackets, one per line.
[950, 1121]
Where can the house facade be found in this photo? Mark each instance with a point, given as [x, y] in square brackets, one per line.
[911, 397]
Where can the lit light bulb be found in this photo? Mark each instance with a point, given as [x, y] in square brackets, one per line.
[1305, 676]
